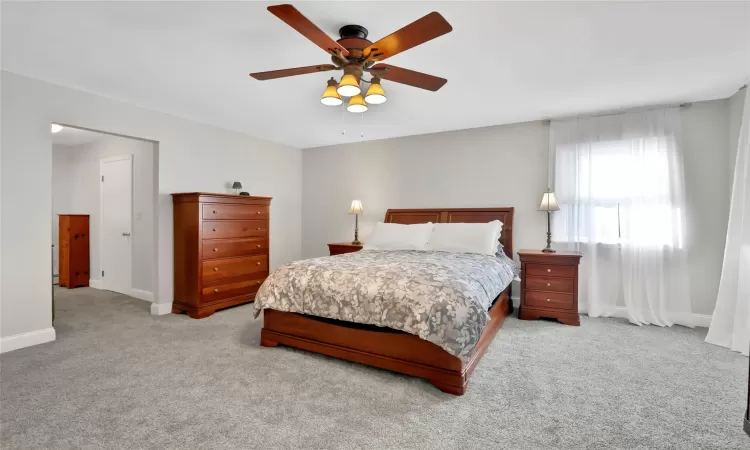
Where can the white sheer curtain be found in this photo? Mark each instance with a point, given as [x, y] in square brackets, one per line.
[730, 324]
[619, 182]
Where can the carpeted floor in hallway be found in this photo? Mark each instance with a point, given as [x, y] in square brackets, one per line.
[119, 378]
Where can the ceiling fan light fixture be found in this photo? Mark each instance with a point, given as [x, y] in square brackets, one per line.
[349, 86]
[357, 104]
[330, 96]
[375, 94]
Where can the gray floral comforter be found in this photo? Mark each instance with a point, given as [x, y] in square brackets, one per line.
[439, 296]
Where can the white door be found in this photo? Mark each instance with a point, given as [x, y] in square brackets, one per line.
[116, 223]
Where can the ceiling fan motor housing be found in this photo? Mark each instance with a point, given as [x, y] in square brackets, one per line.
[354, 39]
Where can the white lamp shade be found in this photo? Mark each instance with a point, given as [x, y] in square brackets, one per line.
[549, 202]
[356, 207]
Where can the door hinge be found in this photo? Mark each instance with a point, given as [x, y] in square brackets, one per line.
[102, 177]
[102, 273]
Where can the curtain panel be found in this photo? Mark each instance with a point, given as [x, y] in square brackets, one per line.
[619, 183]
[730, 324]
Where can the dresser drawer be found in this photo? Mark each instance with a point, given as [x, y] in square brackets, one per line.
[549, 270]
[547, 300]
[217, 269]
[217, 211]
[213, 229]
[225, 248]
[228, 290]
[551, 284]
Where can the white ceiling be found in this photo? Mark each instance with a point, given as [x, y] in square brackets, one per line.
[505, 62]
[74, 136]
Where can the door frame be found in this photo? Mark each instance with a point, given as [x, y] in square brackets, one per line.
[103, 161]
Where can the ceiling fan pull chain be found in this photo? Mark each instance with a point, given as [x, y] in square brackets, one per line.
[343, 119]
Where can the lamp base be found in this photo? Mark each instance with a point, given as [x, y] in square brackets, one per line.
[549, 250]
[356, 242]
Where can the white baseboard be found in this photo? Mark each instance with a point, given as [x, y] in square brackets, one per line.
[21, 340]
[699, 320]
[141, 294]
[161, 309]
[96, 284]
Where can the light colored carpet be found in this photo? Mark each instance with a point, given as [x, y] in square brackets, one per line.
[119, 378]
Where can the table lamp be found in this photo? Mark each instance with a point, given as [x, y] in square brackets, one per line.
[549, 204]
[356, 209]
[236, 186]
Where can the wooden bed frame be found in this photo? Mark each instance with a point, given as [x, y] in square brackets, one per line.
[390, 349]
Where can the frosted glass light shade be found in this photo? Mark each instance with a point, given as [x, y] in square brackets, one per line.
[375, 94]
[549, 202]
[330, 96]
[357, 104]
[349, 86]
[55, 128]
[356, 207]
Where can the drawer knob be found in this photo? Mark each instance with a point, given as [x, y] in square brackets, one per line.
[218, 230]
[548, 285]
[216, 290]
[547, 300]
[258, 263]
[257, 212]
[258, 229]
[216, 250]
[216, 269]
[214, 211]
[257, 282]
[548, 270]
[258, 245]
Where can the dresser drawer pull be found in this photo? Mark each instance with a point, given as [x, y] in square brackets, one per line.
[258, 229]
[547, 300]
[218, 230]
[216, 269]
[214, 211]
[548, 270]
[548, 285]
[258, 263]
[216, 290]
[257, 212]
[258, 245]
[216, 250]
[257, 282]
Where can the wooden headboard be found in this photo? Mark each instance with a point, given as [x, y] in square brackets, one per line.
[458, 215]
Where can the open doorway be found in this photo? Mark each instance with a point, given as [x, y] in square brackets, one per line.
[104, 199]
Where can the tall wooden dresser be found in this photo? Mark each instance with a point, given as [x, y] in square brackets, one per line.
[220, 250]
[73, 232]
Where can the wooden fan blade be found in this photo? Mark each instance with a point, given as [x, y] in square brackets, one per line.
[296, 20]
[272, 74]
[427, 28]
[406, 76]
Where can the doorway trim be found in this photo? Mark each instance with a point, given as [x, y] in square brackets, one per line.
[102, 162]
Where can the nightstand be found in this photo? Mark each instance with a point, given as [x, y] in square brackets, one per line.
[549, 286]
[343, 247]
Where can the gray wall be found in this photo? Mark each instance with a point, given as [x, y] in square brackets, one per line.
[503, 166]
[76, 189]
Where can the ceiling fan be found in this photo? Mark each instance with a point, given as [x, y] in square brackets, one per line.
[354, 54]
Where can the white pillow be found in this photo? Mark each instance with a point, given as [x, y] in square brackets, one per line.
[394, 236]
[466, 237]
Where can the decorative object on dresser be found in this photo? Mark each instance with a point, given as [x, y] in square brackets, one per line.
[549, 286]
[340, 248]
[221, 250]
[549, 204]
[356, 209]
[236, 186]
[74, 250]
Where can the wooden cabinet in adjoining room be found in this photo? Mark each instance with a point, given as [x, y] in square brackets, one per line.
[221, 250]
[74, 250]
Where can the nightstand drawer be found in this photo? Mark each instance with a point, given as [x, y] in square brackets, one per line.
[549, 270]
[548, 300]
[551, 284]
